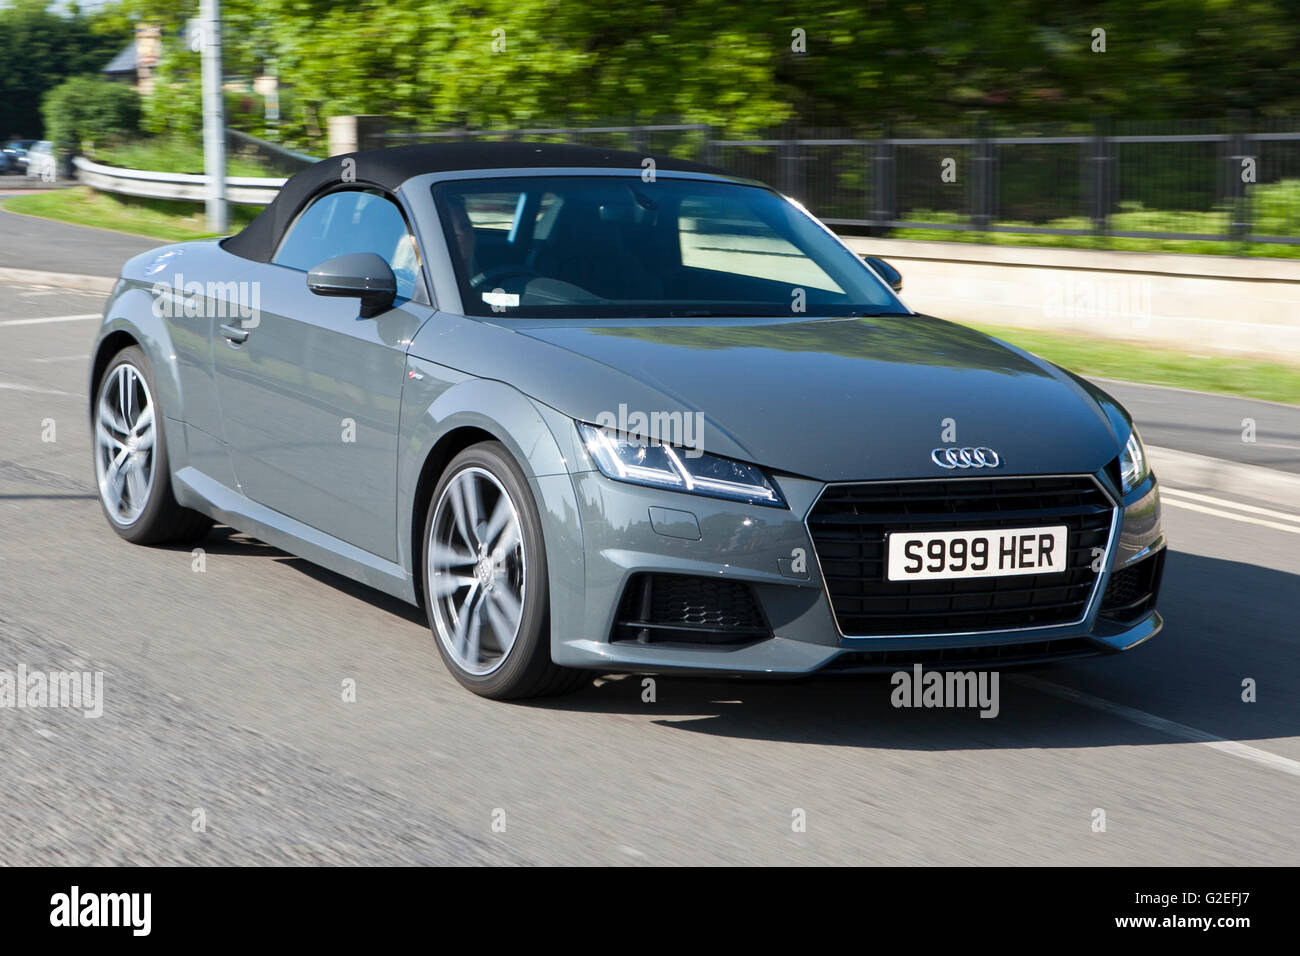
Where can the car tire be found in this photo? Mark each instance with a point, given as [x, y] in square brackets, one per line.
[474, 575]
[132, 471]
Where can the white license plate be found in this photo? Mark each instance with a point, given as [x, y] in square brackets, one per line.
[937, 555]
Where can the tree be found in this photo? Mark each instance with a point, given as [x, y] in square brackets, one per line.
[39, 48]
[90, 109]
[935, 63]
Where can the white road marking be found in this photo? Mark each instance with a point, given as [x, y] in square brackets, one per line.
[1228, 514]
[1171, 727]
[1276, 526]
[13, 386]
[61, 358]
[1224, 503]
[55, 318]
[39, 289]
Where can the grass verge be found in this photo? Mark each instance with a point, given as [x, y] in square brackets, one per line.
[165, 219]
[1246, 378]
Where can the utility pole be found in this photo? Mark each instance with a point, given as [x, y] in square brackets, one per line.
[214, 118]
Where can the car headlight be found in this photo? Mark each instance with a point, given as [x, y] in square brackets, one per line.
[642, 462]
[1133, 464]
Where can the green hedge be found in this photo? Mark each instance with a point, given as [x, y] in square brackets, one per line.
[87, 110]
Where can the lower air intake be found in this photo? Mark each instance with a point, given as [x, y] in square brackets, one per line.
[1132, 591]
[687, 609]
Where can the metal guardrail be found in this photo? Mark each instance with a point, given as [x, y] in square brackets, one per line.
[246, 190]
[273, 156]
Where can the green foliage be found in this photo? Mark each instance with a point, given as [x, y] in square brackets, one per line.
[39, 48]
[85, 110]
[176, 106]
[1275, 208]
[171, 154]
[510, 63]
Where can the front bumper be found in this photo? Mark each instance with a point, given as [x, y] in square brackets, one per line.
[615, 540]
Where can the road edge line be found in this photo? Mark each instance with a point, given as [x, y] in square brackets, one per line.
[1173, 728]
[62, 280]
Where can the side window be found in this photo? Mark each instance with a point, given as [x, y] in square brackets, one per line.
[347, 222]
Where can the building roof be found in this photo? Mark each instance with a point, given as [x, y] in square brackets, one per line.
[124, 62]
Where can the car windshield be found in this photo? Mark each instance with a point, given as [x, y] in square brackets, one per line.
[612, 246]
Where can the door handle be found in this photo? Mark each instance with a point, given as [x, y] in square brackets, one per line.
[234, 333]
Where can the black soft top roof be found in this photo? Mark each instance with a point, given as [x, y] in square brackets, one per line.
[389, 168]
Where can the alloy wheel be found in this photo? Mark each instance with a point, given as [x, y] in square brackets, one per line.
[125, 426]
[477, 571]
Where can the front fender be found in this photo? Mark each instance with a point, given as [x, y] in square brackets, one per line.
[130, 312]
[439, 405]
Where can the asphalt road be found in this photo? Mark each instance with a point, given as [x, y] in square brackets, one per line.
[1220, 426]
[27, 242]
[223, 694]
[19, 184]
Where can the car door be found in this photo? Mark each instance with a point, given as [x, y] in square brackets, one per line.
[309, 390]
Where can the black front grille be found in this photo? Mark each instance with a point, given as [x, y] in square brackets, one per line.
[849, 524]
[1132, 591]
[686, 609]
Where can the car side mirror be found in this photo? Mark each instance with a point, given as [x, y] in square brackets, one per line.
[893, 278]
[360, 275]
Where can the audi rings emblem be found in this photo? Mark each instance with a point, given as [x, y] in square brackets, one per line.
[951, 458]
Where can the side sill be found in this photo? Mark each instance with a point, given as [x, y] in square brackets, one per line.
[196, 490]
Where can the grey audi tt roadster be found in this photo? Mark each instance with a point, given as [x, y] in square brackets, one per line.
[600, 412]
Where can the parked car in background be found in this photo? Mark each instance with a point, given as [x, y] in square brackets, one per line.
[41, 162]
[14, 155]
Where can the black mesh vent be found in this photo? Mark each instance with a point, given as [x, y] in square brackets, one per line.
[849, 524]
[1132, 591]
[684, 609]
